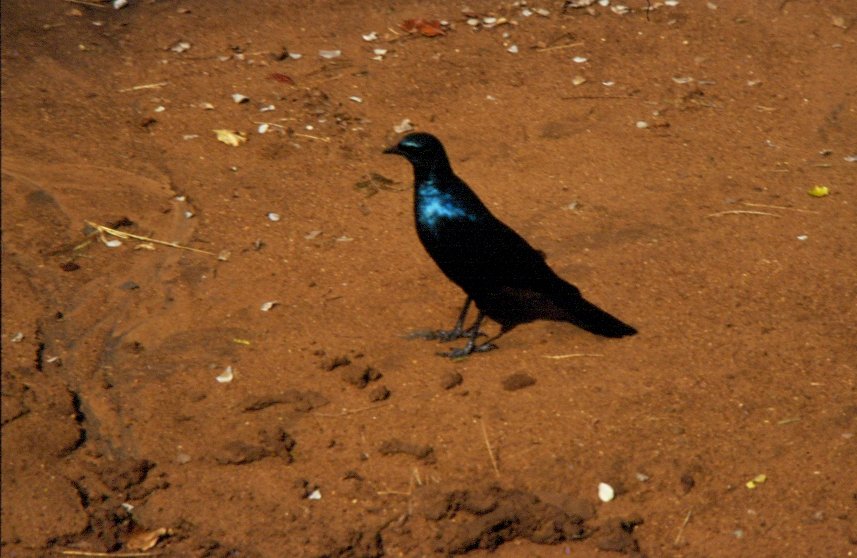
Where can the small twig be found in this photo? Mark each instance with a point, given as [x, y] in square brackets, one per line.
[351, 411]
[741, 212]
[143, 86]
[788, 421]
[557, 47]
[781, 207]
[111, 554]
[681, 529]
[572, 355]
[488, 446]
[126, 236]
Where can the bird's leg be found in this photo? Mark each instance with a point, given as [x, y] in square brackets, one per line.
[471, 346]
[456, 332]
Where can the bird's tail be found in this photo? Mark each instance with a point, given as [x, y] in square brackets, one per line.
[593, 319]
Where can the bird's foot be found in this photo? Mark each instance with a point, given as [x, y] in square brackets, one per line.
[468, 349]
[443, 335]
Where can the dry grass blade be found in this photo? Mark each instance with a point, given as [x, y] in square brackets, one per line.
[741, 212]
[488, 446]
[558, 47]
[308, 136]
[125, 236]
[748, 204]
[87, 3]
[572, 355]
[681, 529]
[144, 86]
[352, 411]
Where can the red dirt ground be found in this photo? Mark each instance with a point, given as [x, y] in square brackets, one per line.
[697, 229]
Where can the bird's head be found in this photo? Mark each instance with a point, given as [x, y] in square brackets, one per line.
[421, 149]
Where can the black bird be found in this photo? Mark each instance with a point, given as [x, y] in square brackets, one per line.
[498, 270]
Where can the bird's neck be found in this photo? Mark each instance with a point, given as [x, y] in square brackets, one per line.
[431, 170]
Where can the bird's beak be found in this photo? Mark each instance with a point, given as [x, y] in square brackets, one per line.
[393, 150]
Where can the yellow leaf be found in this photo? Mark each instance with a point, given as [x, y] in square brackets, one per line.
[819, 191]
[756, 481]
[230, 138]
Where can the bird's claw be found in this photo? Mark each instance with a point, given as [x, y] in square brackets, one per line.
[443, 335]
[468, 349]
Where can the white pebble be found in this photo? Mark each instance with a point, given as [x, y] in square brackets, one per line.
[404, 126]
[266, 306]
[226, 376]
[274, 217]
[608, 83]
[267, 108]
[369, 37]
[160, 108]
[314, 495]
[605, 492]
[513, 49]
[641, 124]
[239, 98]
[579, 59]
[380, 51]
[802, 237]
[330, 54]
[263, 128]
[356, 99]
[295, 56]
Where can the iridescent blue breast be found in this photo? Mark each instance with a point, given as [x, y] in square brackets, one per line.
[434, 206]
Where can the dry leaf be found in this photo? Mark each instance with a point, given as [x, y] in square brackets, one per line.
[230, 138]
[146, 540]
[282, 78]
[819, 191]
[426, 27]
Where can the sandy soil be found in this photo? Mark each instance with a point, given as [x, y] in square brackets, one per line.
[675, 196]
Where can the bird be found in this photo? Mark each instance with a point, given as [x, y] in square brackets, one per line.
[508, 280]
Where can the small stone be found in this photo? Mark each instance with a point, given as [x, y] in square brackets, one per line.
[687, 482]
[605, 492]
[451, 380]
[379, 393]
[517, 381]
